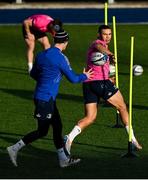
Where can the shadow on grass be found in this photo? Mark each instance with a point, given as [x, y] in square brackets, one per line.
[14, 70]
[100, 147]
[32, 163]
[27, 94]
[8, 138]
[38, 163]
[35, 163]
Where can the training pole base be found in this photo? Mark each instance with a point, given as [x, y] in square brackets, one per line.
[118, 124]
[130, 153]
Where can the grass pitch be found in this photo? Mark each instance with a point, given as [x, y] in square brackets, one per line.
[100, 146]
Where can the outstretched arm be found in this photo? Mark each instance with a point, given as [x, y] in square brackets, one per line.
[71, 75]
[104, 50]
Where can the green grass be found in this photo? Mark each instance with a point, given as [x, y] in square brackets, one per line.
[100, 146]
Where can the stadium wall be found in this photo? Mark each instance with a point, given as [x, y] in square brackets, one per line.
[84, 15]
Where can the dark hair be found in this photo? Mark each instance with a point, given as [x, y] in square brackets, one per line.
[61, 37]
[54, 26]
[57, 25]
[103, 27]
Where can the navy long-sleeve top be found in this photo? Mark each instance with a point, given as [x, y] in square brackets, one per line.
[49, 67]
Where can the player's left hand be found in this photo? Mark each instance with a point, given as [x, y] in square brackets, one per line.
[112, 59]
[88, 73]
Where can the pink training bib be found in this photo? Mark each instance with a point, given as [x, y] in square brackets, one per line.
[100, 72]
[40, 22]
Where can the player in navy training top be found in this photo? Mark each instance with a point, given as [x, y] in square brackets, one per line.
[49, 67]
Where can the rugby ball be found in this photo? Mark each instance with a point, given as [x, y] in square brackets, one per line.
[98, 58]
[112, 70]
[137, 70]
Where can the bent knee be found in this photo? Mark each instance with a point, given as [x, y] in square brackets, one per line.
[122, 107]
[91, 119]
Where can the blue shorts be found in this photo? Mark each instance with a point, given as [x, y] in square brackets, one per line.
[44, 110]
[94, 90]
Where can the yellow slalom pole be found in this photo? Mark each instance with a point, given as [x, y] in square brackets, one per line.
[115, 50]
[105, 13]
[131, 152]
[131, 89]
[117, 125]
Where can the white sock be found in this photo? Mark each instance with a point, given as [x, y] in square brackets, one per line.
[61, 154]
[30, 65]
[75, 131]
[18, 145]
[133, 136]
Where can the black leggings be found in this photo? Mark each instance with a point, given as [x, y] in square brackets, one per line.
[42, 130]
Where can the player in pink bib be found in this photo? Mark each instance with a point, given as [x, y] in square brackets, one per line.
[100, 72]
[100, 86]
[35, 28]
